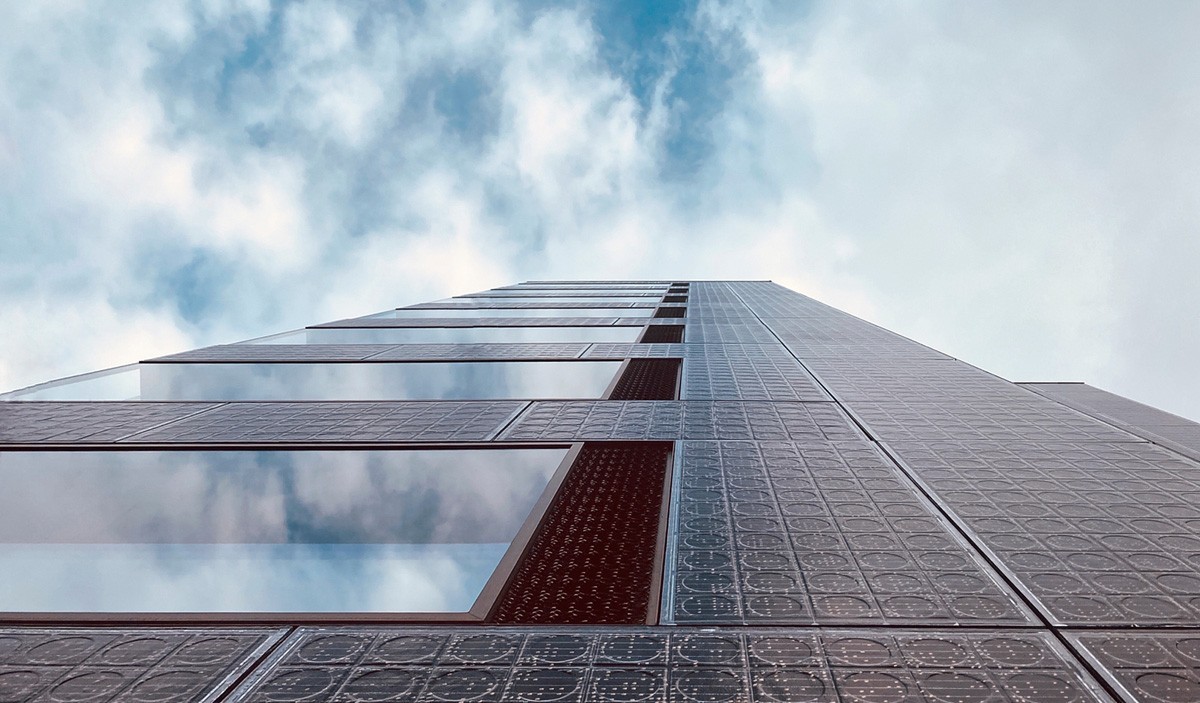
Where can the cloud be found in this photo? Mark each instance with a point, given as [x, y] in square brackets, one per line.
[1010, 182]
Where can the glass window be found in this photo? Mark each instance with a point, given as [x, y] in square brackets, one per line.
[479, 380]
[547, 300]
[582, 290]
[518, 312]
[261, 531]
[465, 335]
[378, 381]
[292, 337]
[120, 383]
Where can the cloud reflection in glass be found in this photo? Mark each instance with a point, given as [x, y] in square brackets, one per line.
[260, 531]
[378, 381]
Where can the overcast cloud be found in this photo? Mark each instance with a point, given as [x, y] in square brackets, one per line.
[1014, 183]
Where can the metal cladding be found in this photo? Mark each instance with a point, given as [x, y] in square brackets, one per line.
[773, 500]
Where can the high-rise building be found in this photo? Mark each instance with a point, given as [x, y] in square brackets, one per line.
[593, 490]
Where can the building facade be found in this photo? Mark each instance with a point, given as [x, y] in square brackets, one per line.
[593, 490]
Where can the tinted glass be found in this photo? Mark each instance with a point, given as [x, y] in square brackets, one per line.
[355, 381]
[121, 383]
[269, 531]
[378, 381]
[519, 312]
[529, 298]
[465, 335]
[584, 290]
[292, 337]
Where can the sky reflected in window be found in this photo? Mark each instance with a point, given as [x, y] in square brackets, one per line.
[477, 380]
[517, 312]
[501, 300]
[378, 381]
[462, 335]
[266, 531]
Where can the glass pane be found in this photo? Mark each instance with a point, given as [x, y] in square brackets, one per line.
[468, 335]
[120, 383]
[519, 312]
[266, 531]
[576, 289]
[292, 337]
[378, 381]
[529, 298]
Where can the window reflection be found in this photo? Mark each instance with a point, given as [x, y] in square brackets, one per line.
[120, 383]
[517, 312]
[267, 531]
[378, 381]
[483, 380]
[501, 300]
[465, 335]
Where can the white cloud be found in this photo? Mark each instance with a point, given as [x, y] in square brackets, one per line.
[1011, 182]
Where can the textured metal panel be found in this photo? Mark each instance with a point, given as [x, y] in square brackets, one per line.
[648, 379]
[1172, 431]
[1005, 420]
[746, 372]
[400, 421]
[677, 665]
[702, 331]
[646, 420]
[1100, 533]
[41, 421]
[592, 560]
[820, 533]
[636, 350]
[1145, 666]
[126, 664]
[913, 380]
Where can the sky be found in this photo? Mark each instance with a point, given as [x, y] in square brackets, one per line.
[1014, 183]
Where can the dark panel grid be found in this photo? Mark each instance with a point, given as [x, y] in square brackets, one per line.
[634, 420]
[100, 665]
[787, 665]
[663, 334]
[87, 422]
[820, 533]
[1146, 666]
[592, 560]
[648, 379]
[862, 353]
[400, 421]
[1100, 533]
